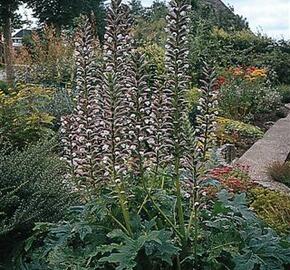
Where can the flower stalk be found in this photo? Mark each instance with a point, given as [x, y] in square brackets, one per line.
[176, 86]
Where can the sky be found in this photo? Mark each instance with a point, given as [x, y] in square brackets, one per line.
[271, 17]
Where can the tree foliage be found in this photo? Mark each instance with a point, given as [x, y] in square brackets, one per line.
[61, 14]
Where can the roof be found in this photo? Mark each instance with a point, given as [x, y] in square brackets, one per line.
[218, 5]
[22, 33]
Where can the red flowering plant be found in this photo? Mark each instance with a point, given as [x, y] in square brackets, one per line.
[235, 179]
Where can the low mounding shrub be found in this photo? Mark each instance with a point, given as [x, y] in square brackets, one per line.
[31, 190]
[242, 135]
[272, 207]
[232, 178]
[229, 130]
[280, 172]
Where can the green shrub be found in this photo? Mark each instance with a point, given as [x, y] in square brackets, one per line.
[272, 207]
[61, 103]
[280, 172]
[23, 118]
[245, 100]
[154, 55]
[3, 86]
[242, 135]
[284, 91]
[32, 189]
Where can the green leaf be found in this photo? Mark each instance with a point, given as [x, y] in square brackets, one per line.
[245, 262]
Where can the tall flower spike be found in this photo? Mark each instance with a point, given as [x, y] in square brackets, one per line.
[160, 125]
[115, 141]
[177, 69]
[177, 83]
[115, 115]
[202, 138]
[86, 116]
[139, 104]
[206, 116]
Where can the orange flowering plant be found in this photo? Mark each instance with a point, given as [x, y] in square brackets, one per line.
[246, 93]
[239, 73]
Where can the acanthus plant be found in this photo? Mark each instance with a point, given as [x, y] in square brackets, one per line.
[139, 105]
[124, 125]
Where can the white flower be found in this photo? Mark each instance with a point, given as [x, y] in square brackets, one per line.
[133, 147]
[151, 141]
[105, 147]
[81, 138]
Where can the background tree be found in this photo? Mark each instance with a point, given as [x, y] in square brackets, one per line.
[8, 16]
[136, 8]
[62, 14]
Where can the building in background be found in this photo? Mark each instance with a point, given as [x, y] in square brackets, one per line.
[17, 38]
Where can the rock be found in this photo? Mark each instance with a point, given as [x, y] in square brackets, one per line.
[287, 106]
[269, 124]
[2, 75]
[274, 146]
